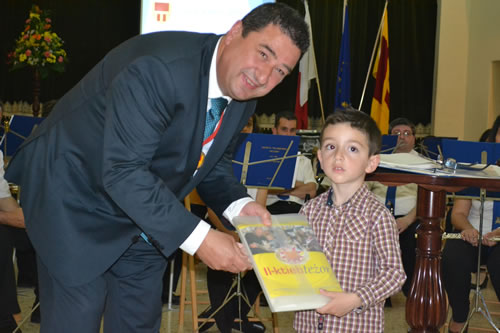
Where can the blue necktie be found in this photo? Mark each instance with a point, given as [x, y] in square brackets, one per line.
[390, 199]
[213, 115]
[496, 215]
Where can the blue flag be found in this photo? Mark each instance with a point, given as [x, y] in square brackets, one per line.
[343, 85]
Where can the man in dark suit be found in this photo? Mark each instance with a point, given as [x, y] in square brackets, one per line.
[103, 176]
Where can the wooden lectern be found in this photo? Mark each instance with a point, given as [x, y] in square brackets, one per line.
[426, 303]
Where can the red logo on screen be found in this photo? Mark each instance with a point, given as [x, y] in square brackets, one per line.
[162, 10]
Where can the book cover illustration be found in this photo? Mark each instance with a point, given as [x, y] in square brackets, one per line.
[288, 262]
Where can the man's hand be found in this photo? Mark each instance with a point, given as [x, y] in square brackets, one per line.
[340, 303]
[220, 251]
[254, 209]
[403, 223]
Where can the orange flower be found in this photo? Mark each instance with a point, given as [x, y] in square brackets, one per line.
[38, 36]
[60, 59]
[28, 53]
[46, 27]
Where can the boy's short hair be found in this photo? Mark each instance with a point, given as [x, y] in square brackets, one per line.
[402, 121]
[360, 121]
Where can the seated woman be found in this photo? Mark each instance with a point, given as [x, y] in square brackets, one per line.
[460, 256]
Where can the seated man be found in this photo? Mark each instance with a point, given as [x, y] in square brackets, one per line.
[10, 216]
[402, 200]
[291, 200]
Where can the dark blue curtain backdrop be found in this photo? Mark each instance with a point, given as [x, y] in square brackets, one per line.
[90, 28]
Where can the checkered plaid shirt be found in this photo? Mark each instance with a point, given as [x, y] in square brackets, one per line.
[361, 242]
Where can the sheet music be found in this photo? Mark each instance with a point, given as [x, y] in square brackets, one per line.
[417, 164]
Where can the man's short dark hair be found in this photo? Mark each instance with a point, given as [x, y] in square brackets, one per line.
[360, 121]
[288, 115]
[402, 121]
[285, 17]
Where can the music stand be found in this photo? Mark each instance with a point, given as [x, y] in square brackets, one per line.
[15, 130]
[263, 161]
[477, 292]
[266, 160]
[430, 146]
[229, 296]
[389, 144]
[473, 152]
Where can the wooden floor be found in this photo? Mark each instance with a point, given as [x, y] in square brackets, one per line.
[394, 317]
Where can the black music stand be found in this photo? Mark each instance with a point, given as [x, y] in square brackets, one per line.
[478, 296]
[474, 152]
[264, 161]
[14, 131]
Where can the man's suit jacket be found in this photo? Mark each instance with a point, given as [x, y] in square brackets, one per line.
[118, 153]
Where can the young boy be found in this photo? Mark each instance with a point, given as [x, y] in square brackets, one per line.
[357, 233]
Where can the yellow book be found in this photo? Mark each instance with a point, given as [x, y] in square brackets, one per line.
[288, 261]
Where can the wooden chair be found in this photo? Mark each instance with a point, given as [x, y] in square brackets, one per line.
[188, 264]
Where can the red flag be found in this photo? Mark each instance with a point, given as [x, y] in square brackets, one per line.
[301, 112]
[307, 72]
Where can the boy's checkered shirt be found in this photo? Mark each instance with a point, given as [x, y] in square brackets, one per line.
[361, 242]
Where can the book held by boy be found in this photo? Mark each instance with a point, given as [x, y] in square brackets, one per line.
[288, 261]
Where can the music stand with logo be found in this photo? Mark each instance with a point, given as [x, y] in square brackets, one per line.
[261, 161]
[469, 153]
[14, 131]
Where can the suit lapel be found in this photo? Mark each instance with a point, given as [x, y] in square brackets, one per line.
[232, 116]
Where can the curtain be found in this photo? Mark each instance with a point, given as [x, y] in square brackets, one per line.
[90, 28]
[412, 29]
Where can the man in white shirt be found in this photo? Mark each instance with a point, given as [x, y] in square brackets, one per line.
[291, 200]
[10, 216]
[402, 200]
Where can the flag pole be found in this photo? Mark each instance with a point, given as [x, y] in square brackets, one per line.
[343, 15]
[319, 92]
[373, 55]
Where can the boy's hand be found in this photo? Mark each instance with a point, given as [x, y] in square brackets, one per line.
[254, 209]
[340, 304]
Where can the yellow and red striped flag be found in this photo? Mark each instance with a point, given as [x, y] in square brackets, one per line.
[382, 95]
